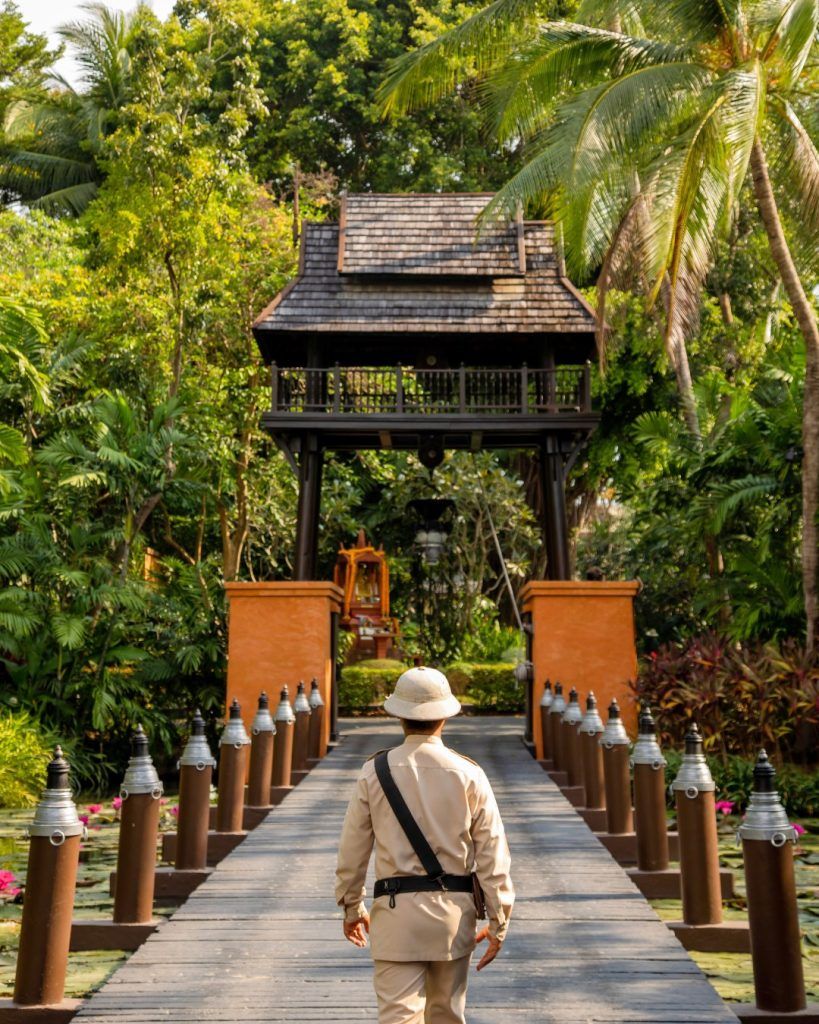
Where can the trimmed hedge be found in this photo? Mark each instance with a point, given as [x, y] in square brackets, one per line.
[487, 686]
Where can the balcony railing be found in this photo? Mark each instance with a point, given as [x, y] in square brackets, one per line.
[397, 391]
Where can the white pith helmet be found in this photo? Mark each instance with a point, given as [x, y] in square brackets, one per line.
[422, 694]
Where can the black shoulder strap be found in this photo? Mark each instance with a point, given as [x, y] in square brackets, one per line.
[418, 841]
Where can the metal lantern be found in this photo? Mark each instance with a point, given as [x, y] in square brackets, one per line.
[431, 537]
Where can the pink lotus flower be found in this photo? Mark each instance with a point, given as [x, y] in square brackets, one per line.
[116, 803]
[162, 801]
[798, 829]
[724, 806]
[6, 878]
[95, 808]
[83, 818]
[174, 811]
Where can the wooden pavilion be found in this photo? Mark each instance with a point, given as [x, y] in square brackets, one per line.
[406, 329]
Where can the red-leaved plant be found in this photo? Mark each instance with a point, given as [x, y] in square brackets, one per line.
[742, 697]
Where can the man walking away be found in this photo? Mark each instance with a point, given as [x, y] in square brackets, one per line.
[440, 857]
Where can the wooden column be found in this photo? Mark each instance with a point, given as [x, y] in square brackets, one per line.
[310, 465]
[555, 525]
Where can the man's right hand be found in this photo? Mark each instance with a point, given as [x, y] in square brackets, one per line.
[356, 931]
[492, 949]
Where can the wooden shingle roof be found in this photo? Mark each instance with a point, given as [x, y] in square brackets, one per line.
[424, 234]
[409, 265]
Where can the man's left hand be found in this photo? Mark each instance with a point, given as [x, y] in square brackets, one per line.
[356, 931]
[492, 949]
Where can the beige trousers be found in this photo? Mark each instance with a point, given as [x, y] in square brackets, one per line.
[421, 992]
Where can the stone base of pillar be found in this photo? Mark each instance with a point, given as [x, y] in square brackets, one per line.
[220, 844]
[595, 817]
[623, 846]
[56, 1013]
[667, 884]
[574, 794]
[171, 886]
[745, 1012]
[298, 776]
[278, 793]
[89, 935]
[560, 779]
[546, 763]
[251, 816]
[727, 937]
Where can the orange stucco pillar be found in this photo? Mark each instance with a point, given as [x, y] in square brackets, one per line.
[583, 636]
[279, 633]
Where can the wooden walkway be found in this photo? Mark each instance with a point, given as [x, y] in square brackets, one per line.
[261, 940]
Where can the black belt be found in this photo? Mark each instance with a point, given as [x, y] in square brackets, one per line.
[421, 883]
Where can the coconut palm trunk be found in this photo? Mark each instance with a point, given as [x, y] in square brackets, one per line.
[806, 318]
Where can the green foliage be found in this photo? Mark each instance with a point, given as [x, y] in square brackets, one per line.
[487, 686]
[711, 528]
[734, 779]
[742, 698]
[24, 754]
[320, 63]
[361, 686]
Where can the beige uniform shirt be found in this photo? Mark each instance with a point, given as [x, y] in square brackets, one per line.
[451, 799]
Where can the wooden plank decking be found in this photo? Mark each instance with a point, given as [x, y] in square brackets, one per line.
[261, 940]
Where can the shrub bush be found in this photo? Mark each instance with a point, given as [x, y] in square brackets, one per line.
[742, 697]
[24, 754]
[489, 686]
[367, 683]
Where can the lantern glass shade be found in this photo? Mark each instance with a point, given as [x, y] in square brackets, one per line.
[431, 543]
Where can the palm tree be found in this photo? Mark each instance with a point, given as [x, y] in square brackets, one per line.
[642, 120]
[52, 145]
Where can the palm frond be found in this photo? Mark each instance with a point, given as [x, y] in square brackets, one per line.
[521, 94]
[797, 165]
[425, 75]
[73, 199]
[790, 40]
[724, 499]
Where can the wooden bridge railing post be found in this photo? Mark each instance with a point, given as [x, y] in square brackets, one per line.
[570, 747]
[315, 743]
[776, 946]
[195, 775]
[45, 933]
[649, 797]
[233, 755]
[545, 728]
[593, 811]
[262, 733]
[615, 743]
[282, 749]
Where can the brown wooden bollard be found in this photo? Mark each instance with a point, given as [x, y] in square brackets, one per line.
[195, 774]
[615, 744]
[651, 824]
[591, 753]
[776, 948]
[697, 825]
[570, 740]
[139, 824]
[283, 747]
[233, 755]
[316, 735]
[262, 731]
[545, 726]
[301, 733]
[54, 851]
[555, 724]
